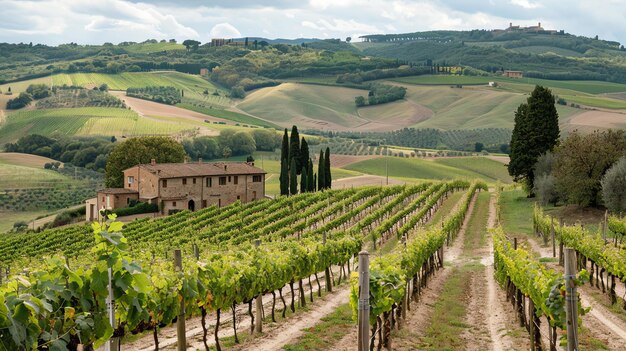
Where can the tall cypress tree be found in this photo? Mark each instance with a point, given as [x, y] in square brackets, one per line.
[284, 150]
[321, 178]
[294, 149]
[327, 175]
[304, 153]
[284, 178]
[536, 131]
[304, 180]
[284, 165]
[293, 178]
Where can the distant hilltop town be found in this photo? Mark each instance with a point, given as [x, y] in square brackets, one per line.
[532, 29]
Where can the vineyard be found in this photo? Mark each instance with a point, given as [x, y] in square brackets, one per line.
[299, 237]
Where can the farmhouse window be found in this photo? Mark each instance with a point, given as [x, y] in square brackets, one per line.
[222, 180]
[256, 179]
[173, 203]
[128, 200]
[209, 182]
[194, 180]
[236, 180]
[238, 197]
[131, 180]
[165, 183]
[229, 179]
[184, 181]
[203, 203]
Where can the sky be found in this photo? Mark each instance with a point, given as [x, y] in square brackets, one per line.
[55, 22]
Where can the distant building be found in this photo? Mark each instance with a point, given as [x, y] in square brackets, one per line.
[204, 72]
[513, 74]
[536, 29]
[183, 186]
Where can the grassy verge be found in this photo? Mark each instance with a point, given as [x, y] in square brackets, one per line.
[448, 318]
[230, 115]
[516, 212]
[326, 333]
[476, 231]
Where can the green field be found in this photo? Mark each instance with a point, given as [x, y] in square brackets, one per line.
[146, 48]
[429, 169]
[444, 80]
[488, 168]
[83, 121]
[230, 115]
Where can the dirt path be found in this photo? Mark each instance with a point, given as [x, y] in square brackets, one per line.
[281, 334]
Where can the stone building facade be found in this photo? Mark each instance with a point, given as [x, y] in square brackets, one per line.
[185, 186]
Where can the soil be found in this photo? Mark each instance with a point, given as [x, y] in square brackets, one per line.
[598, 119]
[363, 180]
[341, 161]
[146, 108]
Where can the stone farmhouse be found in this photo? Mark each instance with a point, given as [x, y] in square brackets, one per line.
[182, 186]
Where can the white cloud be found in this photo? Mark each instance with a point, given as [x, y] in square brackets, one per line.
[526, 4]
[224, 30]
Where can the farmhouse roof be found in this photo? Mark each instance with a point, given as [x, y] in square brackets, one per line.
[178, 170]
[116, 191]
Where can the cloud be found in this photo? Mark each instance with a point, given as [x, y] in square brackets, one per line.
[224, 30]
[98, 21]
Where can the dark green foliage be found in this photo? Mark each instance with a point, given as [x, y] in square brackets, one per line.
[140, 207]
[204, 147]
[536, 131]
[164, 95]
[321, 179]
[140, 150]
[478, 147]
[304, 153]
[266, 140]
[82, 152]
[294, 149]
[237, 92]
[359, 101]
[582, 160]
[327, 175]
[293, 178]
[21, 101]
[284, 150]
[382, 93]
[614, 187]
[191, 44]
[74, 96]
[284, 177]
[38, 91]
[360, 77]
[239, 142]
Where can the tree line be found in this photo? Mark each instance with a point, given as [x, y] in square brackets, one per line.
[161, 94]
[582, 169]
[295, 160]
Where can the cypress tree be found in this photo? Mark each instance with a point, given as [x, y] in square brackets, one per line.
[327, 175]
[284, 165]
[294, 149]
[321, 179]
[304, 153]
[284, 178]
[536, 131]
[293, 178]
[304, 180]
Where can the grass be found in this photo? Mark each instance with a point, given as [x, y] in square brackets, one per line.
[324, 334]
[230, 115]
[443, 80]
[593, 101]
[26, 160]
[84, 121]
[488, 168]
[448, 318]
[417, 168]
[8, 218]
[476, 232]
[516, 212]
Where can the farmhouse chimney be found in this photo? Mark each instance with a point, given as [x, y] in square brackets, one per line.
[225, 167]
[153, 162]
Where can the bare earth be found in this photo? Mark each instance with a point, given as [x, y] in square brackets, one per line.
[363, 180]
[598, 119]
[502, 159]
[146, 108]
[27, 160]
[342, 161]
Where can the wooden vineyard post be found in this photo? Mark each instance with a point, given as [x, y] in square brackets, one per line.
[113, 344]
[553, 236]
[561, 244]
[604, 226]
[180, 322]
[571, 300]
[258, 321]
[364, 301]
[329, 282]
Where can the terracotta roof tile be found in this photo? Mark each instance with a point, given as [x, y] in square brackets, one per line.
[117, 191]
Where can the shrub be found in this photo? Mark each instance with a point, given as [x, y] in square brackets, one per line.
[140, 207]
[614, 187]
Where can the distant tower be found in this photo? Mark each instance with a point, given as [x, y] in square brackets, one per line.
[539, 25]
[510, 24]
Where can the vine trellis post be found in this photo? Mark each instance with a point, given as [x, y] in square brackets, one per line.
[258, 326]
[364, 301]
[571, 300]
[180, 321]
